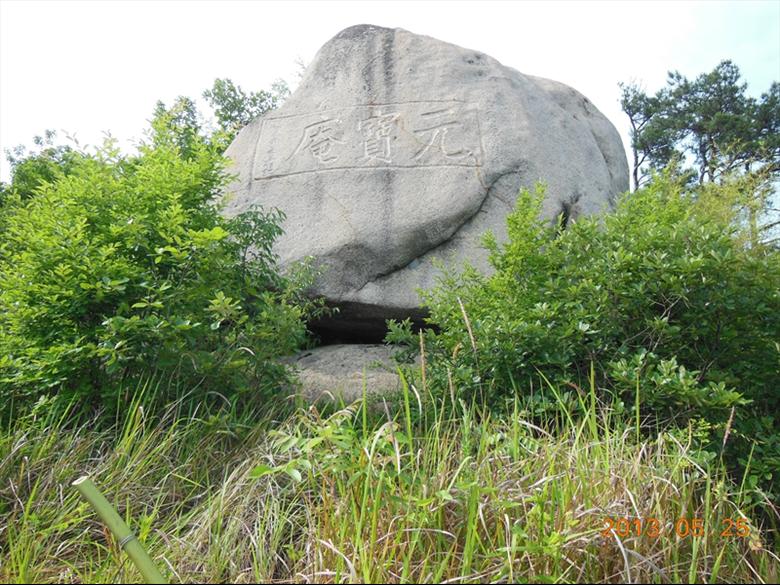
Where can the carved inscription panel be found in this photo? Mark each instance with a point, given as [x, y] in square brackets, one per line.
[405, 135]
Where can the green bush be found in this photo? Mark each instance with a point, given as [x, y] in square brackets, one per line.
[31, 169]
[658, 297]
[123, 266]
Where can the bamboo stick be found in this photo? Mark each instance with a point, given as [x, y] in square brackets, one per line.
[119, 529]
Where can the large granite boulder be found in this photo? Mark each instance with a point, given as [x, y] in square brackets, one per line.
[341, 372]
[398, 148]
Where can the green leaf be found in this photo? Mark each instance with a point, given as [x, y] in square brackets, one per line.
[261, 470]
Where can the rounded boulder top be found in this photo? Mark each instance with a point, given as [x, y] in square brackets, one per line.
[398, 148]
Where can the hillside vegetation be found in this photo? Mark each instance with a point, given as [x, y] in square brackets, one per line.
[602, 408]
[349, 497]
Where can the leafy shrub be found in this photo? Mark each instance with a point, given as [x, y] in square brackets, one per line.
[124, 265]
[32, 169]
[657, 297]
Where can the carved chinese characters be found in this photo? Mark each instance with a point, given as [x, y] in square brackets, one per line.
[405, 135]
[377, 131]
[318, 139]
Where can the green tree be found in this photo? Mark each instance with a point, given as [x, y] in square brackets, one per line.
[31, 170]
[723, 136]
[710, 121]
[652, 135]
[234, 108]
[124, 266]
[183, 124]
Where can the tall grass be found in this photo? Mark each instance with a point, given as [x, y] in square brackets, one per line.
[440, 493]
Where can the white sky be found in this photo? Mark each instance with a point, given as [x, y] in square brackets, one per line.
[89, 67]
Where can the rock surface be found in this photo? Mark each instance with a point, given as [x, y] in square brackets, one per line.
[334, 372]
[398, 148]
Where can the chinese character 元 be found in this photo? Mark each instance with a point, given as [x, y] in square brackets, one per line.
[437, 123]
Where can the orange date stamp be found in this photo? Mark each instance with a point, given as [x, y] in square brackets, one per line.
[625, 527]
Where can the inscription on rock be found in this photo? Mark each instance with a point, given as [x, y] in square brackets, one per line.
[402, 135]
